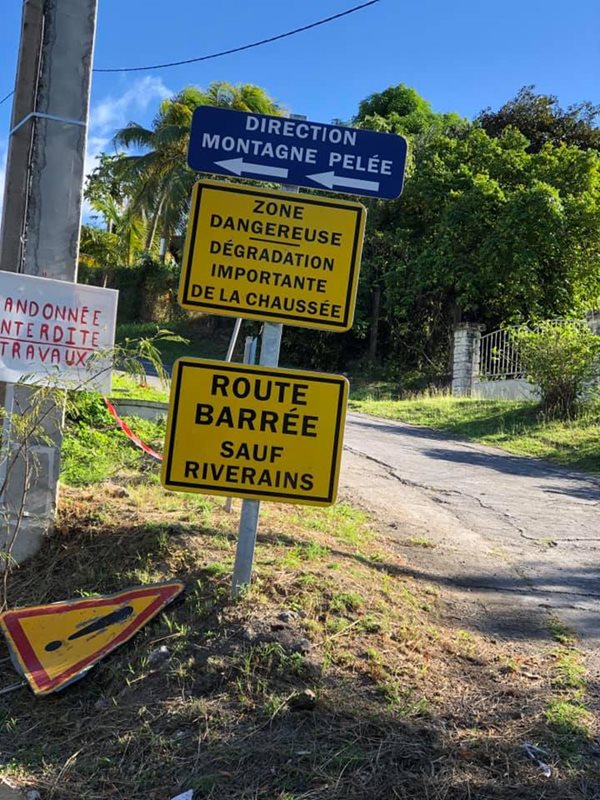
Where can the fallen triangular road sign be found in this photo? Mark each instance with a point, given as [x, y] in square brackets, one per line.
[55, 644]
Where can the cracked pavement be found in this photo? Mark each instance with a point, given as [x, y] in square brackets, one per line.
[512, 538]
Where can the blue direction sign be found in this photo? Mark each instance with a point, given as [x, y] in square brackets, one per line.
[298, 152]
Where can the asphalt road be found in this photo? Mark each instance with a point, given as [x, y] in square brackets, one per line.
[519, 537]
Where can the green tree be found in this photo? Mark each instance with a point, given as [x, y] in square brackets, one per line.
[542, 121]
[485, 230]
[99, 249]
[106, 182]
[121, 239]
[401, 110]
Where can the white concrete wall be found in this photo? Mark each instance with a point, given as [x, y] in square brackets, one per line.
[146, 409]
[516, 389]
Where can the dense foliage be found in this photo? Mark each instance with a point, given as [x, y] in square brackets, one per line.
[488, 228]
[563, 359]
[542, 121]
[499, 221]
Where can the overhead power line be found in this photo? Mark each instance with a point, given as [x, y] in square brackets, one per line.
[243, 47]
[9, 95]
[233, 49]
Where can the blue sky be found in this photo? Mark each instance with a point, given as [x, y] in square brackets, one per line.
[462, 55]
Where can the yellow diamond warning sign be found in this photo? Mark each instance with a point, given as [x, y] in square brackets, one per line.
[55, 644]
[254, 432]
[272, 256]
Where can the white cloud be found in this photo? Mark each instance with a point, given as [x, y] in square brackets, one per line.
[114, 112]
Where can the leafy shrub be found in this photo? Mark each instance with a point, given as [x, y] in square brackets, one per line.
[87, 408]
[563, 359]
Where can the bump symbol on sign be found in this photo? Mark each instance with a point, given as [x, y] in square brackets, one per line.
[120, 615]
[55, 644]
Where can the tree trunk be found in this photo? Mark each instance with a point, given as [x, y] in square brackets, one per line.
[374, 333]
[456, 311]
[164, 241]
[154, 225]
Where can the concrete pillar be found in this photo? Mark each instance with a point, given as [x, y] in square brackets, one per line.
[465, 361]
[40, 234]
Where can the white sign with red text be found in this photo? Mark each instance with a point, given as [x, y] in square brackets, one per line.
[55, 332]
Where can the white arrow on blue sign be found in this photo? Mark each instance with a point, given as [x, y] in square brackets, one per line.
[298, 152]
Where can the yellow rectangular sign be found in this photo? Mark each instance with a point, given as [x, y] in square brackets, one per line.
[274, 256]
[261, 433]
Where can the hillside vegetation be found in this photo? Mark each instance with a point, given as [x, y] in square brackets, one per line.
[498, 223]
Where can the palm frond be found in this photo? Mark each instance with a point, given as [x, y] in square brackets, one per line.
[134, 135]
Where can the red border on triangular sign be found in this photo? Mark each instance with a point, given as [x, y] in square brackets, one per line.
[33, 669]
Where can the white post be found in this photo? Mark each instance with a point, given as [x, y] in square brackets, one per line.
[244, 556]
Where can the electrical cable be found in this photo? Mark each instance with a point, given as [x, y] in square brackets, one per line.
[243, 47]
[4, 99]
[233, 49]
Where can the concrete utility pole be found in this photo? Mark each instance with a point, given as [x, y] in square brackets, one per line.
[41, 223]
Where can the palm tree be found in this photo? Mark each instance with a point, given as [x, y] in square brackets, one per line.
[108, 195]
[243, 97]
[160, 174]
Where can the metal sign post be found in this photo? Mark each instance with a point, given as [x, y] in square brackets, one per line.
[249, 358]
[234, 338]
[239, 246]
[270, 346]
[232, 343]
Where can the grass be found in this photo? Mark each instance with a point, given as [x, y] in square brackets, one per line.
[566, 712]
[400, 702]
[128, 387]
[515, 426]
[419, 541]
[561, 632]
[112, 452]
[342, 520]
[570, 672]
[570, 719]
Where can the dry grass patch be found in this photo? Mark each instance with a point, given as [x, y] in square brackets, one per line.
[334, 677]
